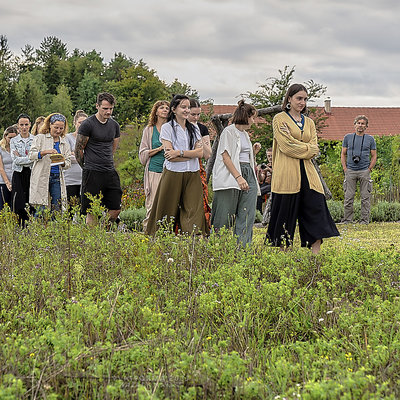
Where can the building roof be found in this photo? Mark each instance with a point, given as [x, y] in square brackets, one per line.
[382, 121]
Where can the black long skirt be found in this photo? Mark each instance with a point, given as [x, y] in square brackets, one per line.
[308, 207]
[20, 193]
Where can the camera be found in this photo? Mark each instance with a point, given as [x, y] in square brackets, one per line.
[356, 159]
[263, 166]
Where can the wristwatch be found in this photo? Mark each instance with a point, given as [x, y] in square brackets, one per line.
[181, 153]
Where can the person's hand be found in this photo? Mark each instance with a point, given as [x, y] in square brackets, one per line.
[16, 154]
[171, 154]
[51, 151]
[285, 128]
[242, 183]
[314, 149]
[256, 147]
[8, 184]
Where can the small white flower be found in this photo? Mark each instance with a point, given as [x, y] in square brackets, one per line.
[329, 312]
[321, 320]
[170, 260]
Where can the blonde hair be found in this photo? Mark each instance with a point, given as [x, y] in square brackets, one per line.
[3, 141]
[35, 128]
[79, 114]
[45, 128]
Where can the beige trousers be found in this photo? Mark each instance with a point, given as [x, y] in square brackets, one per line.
[154, 180]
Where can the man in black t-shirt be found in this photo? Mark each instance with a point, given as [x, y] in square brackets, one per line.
[96, 142]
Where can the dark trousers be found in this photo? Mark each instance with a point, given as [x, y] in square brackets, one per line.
[20, 193]
[308, 207]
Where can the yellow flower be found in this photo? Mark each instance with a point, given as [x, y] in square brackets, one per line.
[32, 355]
[209, 338]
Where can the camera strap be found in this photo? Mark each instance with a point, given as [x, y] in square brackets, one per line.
[362, 144]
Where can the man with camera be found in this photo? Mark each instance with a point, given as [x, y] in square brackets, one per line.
[358, 157]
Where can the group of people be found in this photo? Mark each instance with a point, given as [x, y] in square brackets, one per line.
[173, 145]
[48, 167]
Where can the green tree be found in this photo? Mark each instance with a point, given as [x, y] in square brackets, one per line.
[62, 103]
[115, 68]
[51, 47]
[52, 74]
[8, 77]
[136, 92]
[177, 87]
[87, 91]
[5, 52]
[29, 60]
[31, 93]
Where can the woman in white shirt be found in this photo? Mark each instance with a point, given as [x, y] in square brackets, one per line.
[234, 180]
[179, 197]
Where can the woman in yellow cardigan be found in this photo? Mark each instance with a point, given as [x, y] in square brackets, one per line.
[297, 192]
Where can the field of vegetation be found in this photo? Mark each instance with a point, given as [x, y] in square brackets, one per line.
[93, 313]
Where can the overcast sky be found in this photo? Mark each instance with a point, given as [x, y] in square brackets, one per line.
[223, 48]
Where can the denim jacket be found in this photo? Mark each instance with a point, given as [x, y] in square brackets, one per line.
[21, 146]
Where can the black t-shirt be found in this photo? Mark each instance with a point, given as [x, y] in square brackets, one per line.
[98, 153]
[203, 130]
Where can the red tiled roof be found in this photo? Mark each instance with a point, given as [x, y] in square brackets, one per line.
[382, 121]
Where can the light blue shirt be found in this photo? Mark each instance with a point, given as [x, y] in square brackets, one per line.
[21, 146]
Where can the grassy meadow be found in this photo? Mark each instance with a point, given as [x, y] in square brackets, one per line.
[93, 313]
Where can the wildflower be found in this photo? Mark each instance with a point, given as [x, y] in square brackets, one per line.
[209, 338]
[32, 355]
[249, 379]
[170, 260]
[329, 312]
[321, 320]
[350, 369]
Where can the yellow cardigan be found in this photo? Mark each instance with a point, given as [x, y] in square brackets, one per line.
[289, 147]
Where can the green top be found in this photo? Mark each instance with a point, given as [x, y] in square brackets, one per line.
[157, 161]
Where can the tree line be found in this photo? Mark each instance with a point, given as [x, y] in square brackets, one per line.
[50, 78]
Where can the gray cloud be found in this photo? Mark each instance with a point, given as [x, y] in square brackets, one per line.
[226, 47]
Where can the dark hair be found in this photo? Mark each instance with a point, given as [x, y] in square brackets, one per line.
[243, 112]
[293, 89]
[105, 96]
[176, 100]
[23, 116]
[359, 117]
[194, 103]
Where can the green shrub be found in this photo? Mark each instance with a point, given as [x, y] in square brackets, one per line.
[336, 209]
[382, 211]
[385, 212]
[89, 313]
[258, 217]
[133, 218]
